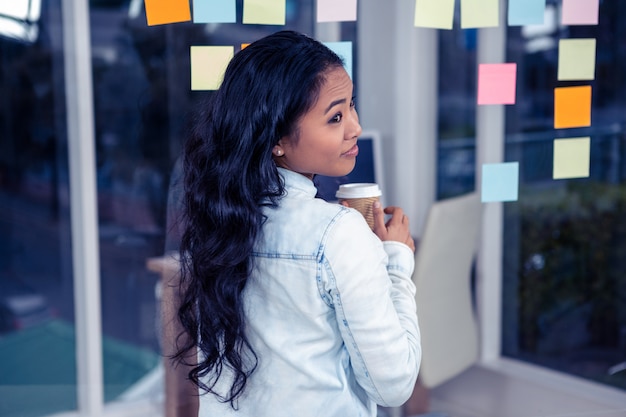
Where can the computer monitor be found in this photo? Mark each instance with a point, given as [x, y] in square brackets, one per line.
[368, 167]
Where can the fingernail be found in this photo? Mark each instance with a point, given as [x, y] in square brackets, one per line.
[376, 204]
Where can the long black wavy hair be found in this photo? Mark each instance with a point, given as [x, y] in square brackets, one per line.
[229, 175]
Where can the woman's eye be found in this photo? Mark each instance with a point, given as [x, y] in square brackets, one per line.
[336, 118]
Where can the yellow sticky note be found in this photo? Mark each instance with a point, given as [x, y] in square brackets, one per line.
[572, 107]
[437, 14]
[208, 64]
[264, 12]
[479, 13]
[160, 12]
[571, 158]
[577, 59]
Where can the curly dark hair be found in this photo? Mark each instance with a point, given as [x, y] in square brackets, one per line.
[229, 175]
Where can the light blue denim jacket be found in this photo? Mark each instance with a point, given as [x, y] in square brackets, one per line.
[330, 313]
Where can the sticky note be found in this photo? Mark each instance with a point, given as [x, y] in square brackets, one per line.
[244, 45]
[264, 12]
[577, 59]
[496, 83]
[336, 10]
[344, 50]
[214, 11]
[572, 107]
[160, 12]
[500, 182]
[438, 14]
[479, 13]
[580, 12]
[571, 158]
[208, 64]
[526, 12]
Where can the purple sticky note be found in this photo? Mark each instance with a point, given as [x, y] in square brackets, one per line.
[496, 83]
[336, 10]
[580, 12]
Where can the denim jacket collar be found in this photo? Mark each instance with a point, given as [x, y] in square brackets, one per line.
[297, 182]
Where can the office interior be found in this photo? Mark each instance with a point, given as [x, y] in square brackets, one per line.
[94, 105]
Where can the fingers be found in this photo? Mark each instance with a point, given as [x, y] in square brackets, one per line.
[396, 229]
[379, 220]
[397, 215]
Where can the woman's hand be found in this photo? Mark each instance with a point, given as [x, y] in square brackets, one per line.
[396, 228]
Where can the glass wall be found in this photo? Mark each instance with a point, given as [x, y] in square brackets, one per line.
[564, 241]
[143, 99]
[37, 335]
[456, 148]
[564, 300]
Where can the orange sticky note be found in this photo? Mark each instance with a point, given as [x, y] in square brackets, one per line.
[160, 12]
[572, 107]
[244, 45]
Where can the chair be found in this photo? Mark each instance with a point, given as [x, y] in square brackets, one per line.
[448, 325]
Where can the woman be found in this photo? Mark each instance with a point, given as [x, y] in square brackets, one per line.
[295, 306]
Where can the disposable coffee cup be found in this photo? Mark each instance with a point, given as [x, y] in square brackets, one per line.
[360, 196]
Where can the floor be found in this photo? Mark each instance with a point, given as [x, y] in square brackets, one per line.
[483, 392]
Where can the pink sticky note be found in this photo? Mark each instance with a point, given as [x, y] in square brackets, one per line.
[336, 10]
[496, 83]
[580, 12]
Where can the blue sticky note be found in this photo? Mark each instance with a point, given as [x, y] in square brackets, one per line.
[344, 50]
[214, 11]
[500, 182]
[526, 12]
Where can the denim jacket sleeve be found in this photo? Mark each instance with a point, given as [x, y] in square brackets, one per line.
[374, 300]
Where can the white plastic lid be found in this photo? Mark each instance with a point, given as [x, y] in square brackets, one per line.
[358, 190]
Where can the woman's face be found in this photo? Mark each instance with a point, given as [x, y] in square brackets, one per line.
[325, 142]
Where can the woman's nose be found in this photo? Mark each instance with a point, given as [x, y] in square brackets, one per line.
[355, 127]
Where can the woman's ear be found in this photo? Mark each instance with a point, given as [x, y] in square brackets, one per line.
[278, 150]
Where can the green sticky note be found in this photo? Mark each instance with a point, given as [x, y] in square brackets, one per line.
[571, 158]
[208, 64]
[264, 12]
[480, 13]
[577, 59]
[438, 14]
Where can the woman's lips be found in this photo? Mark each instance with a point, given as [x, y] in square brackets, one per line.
[353, 151]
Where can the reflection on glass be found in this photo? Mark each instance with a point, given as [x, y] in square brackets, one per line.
[19, 19]
[456, 151]
[142, 98]
[37, 339]
[565, 240]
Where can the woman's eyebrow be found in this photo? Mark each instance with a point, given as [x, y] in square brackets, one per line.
[334, 103]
